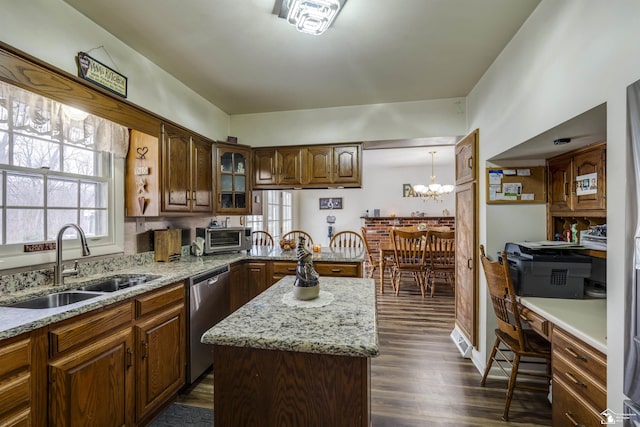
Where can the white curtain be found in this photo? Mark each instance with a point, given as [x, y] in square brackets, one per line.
[44, 116]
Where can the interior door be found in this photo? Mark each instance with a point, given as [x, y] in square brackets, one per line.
[467, 237]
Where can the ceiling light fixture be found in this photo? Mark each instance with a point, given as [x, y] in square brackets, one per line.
[432, 191]
[310, 16]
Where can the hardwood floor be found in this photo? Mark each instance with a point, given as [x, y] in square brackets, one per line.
[420, 379]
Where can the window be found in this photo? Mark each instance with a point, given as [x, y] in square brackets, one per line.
[51, 174]
[277, 216]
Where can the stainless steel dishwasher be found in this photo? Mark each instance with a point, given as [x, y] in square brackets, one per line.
[208, 304]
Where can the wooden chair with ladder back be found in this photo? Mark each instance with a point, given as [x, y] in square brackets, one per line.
[441, 259]
[514, 344]
[373, 259]
[410, 255]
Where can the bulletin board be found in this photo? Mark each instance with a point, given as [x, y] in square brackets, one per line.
[517, 185]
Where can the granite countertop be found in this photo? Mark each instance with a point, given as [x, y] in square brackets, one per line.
[14, 321]
[585, 319]
[346, 326]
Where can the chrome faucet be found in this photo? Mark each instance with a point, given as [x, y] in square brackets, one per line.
[59, 271]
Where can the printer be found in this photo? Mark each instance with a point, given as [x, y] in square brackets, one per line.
[550, 271]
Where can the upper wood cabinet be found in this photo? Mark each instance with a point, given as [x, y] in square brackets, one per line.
[233, 179]
[334, 165]
[466, 158]
[577, 181]
[310, 166]
[278, 166]
[187, 172]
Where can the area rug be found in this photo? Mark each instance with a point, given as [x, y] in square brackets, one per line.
[182, 415]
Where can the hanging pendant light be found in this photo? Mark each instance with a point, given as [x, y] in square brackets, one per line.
[432, 191]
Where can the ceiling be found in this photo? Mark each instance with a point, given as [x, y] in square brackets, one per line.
[244, 59]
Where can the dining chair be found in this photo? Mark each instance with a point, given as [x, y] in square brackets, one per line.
[262, 238]
[441, 259]
[373, 259]
[410, 254]
[294, 234]
[513, 342]
[346, 239]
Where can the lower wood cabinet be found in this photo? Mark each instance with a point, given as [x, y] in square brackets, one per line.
[250, 278]
[115, 366]
[160, 347]
[91, 368]
[579, 381]
[17, 385]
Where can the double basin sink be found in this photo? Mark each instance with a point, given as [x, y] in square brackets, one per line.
[85, 291]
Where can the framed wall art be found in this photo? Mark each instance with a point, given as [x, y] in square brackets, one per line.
[330, 202]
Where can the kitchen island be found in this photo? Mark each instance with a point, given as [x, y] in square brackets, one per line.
[279, 361]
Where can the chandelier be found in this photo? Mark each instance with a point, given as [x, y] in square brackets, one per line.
[432, 191]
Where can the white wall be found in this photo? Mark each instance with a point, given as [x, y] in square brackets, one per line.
[420, 119]
[569, 57]
[384, 172]
[54, 32]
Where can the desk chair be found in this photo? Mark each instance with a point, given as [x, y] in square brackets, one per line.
[512, 341]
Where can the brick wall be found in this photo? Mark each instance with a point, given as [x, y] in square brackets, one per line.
[378, 227]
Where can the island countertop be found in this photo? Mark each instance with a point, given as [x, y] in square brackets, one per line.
[345, 326]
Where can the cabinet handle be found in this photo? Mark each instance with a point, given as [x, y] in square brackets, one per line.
[569, 415]
[187, 195]
[291, 269]
[193, 195]
[574, 354]
[336, 270]
[470, 162]
[574, 380]
[145, 347]
[470, 263]
[129, 358]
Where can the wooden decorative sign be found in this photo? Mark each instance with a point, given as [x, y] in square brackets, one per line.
[96, 72]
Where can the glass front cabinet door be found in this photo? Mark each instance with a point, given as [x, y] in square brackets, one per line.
[233, 176]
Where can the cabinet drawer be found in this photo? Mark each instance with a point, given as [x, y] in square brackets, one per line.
[581, 384]
[536, 322]
[17, 419]
[581, 355]
[15, 356]
[165, 297]
[568, 409]
[80, 332]
[284, 268]
[339, 270]
[15, 392]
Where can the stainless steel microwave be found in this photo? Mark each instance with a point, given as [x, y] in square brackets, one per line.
[225, 239]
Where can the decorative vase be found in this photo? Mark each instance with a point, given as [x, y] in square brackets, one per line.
[306, 285]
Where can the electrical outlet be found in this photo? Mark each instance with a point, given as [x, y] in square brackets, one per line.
[140, 228]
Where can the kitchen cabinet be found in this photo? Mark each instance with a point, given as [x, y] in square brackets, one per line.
[120, 363]
[334, 165]
[142, 176]
[248, 279]
[279, 269]
[187, 172]
[565, 206]
[467, 244]
[579, 381]
[278, 167]
[160, 346]
[232, 179]
[91, 371]
[18, 388]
